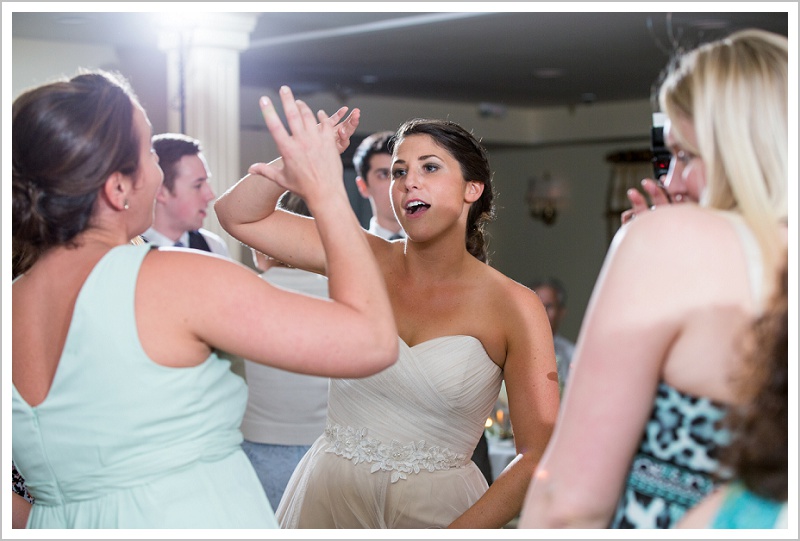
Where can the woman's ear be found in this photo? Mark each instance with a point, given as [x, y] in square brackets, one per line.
[474, 191]
[116, 191]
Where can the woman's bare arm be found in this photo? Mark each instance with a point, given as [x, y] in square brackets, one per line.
[532, 387]
[615, 372]
[352, 334]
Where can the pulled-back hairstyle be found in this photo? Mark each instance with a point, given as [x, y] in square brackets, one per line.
[474, 161]
[68, 137]
[734, 92]
[759, 453]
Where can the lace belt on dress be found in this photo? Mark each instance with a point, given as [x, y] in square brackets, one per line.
[400, 459]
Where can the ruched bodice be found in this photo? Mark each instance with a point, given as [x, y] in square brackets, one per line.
[402, 439]
[453, 398]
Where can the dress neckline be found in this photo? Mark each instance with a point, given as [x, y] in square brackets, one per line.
[438, 338]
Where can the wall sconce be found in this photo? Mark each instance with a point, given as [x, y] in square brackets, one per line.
[545, 197]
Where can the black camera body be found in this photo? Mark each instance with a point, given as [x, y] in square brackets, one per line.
[661, 154]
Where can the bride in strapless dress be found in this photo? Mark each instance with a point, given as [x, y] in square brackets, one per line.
[396, 450]
[442, 391]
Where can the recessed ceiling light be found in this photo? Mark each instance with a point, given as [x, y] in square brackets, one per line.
[710, 24]
[72, 19]
[369, 79]
[548, 73]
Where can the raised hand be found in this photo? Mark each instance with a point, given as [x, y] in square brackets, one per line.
[310, 153]
[347, 128]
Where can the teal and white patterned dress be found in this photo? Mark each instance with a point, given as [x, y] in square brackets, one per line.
[676, 463]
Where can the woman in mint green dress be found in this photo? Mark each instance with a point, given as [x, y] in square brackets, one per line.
[123, 414]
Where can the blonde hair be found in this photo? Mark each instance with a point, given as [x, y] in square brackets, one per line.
[734, 92]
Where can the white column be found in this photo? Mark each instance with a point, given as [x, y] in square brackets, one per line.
[203, 58]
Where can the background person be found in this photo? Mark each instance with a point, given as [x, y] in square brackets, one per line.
[372, 161]
[553, 295]
[182, 201]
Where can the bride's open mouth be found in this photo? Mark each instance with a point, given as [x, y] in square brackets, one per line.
[416, 206]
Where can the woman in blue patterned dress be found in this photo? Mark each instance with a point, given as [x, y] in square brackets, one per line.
[638, 439]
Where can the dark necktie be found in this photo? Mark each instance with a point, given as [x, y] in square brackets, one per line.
[198, 242]
[178, 244]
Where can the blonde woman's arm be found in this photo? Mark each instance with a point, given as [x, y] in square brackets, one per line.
[628, 327]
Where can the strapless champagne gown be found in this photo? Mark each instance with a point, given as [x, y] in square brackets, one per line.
[396, 452]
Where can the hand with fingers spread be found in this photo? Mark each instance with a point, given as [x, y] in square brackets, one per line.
[310, 153]
[347, 128]
[342, 134]
[311, 167]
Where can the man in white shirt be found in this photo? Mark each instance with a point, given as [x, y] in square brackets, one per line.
[373, 164]
[183, 198]
[182, 205]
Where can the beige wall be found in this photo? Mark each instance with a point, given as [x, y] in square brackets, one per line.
[569, 142]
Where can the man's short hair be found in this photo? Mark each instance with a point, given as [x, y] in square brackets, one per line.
[377, 143]
[293, 203]
[171, 147]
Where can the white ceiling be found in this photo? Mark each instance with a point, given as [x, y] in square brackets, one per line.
[523, 58]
